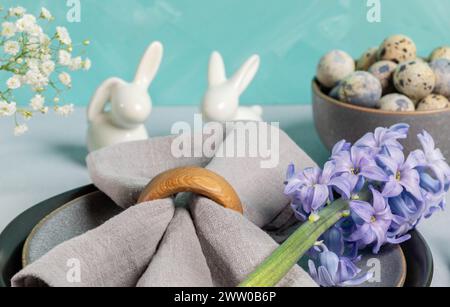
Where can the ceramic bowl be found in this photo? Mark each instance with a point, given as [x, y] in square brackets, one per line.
[336, 121]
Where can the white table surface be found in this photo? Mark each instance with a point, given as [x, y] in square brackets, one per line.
[50, 159]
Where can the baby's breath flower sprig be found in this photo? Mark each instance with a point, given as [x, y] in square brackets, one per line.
[37, 59]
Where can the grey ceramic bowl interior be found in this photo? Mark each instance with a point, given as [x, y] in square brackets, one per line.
[92, 210]
[336, 121]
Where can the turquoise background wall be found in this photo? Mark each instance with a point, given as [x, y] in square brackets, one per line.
[290, 36]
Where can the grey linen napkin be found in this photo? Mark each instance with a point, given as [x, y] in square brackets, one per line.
[160, 244]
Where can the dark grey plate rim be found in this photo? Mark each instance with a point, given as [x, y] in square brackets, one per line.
[419, 260]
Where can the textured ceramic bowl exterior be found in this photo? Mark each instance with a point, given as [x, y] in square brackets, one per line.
[337, 121]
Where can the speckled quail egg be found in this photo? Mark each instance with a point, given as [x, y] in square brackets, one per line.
[440, 53]
[422, 59]
[441, 68]
[415, 79]
[334, 93]
[384, 71]
[433, 102]
[396, 103]
[367, 59]
[334, 67]
[360, 88]
[398, 49]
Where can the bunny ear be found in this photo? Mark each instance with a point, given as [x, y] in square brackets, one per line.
[246, 74]
[216, 74]
[101, 96]
[149, 65]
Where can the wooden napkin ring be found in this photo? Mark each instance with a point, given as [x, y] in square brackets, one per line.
[196, 180]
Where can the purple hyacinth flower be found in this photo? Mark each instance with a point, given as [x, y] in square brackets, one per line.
[432, 160]
[407, 213]
[330, 270]
[428, 183]
[372, 222]
[433, 203]
[310, 189]
[340, 147]
[290, 173]
[433, 193]
[402, 174]
[358, 162]
[384, 137]
[347, 185]
[334, 240]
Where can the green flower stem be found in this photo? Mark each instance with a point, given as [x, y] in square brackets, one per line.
[274, 268]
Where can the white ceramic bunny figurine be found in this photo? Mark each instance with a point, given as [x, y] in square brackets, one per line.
[221, 101]
[131, 105]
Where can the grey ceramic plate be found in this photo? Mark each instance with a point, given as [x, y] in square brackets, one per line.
[91, 210]
[417, 253]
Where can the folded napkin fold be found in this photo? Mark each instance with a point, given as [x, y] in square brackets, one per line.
[159, 243]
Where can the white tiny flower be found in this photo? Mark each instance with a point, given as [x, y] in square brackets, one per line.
[33, 44]
[45, 14]
[87, 64]
[35, 31]
[27, 23]
[76, 64]
[36, 79]
[7, 109]
[48, 67]
[12, 47]
[44, 110]
[46, 57]
[29, 77]
[33, 64]
[37, 102]
[17, 11]
[20, 130]
[65, 110]
[14, 82]
[44, 39]
[8, 29]
[63, 35]
[65, 58]
[65, 79]
[27, 115]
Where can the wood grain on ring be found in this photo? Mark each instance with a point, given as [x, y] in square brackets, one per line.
[196, 180]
